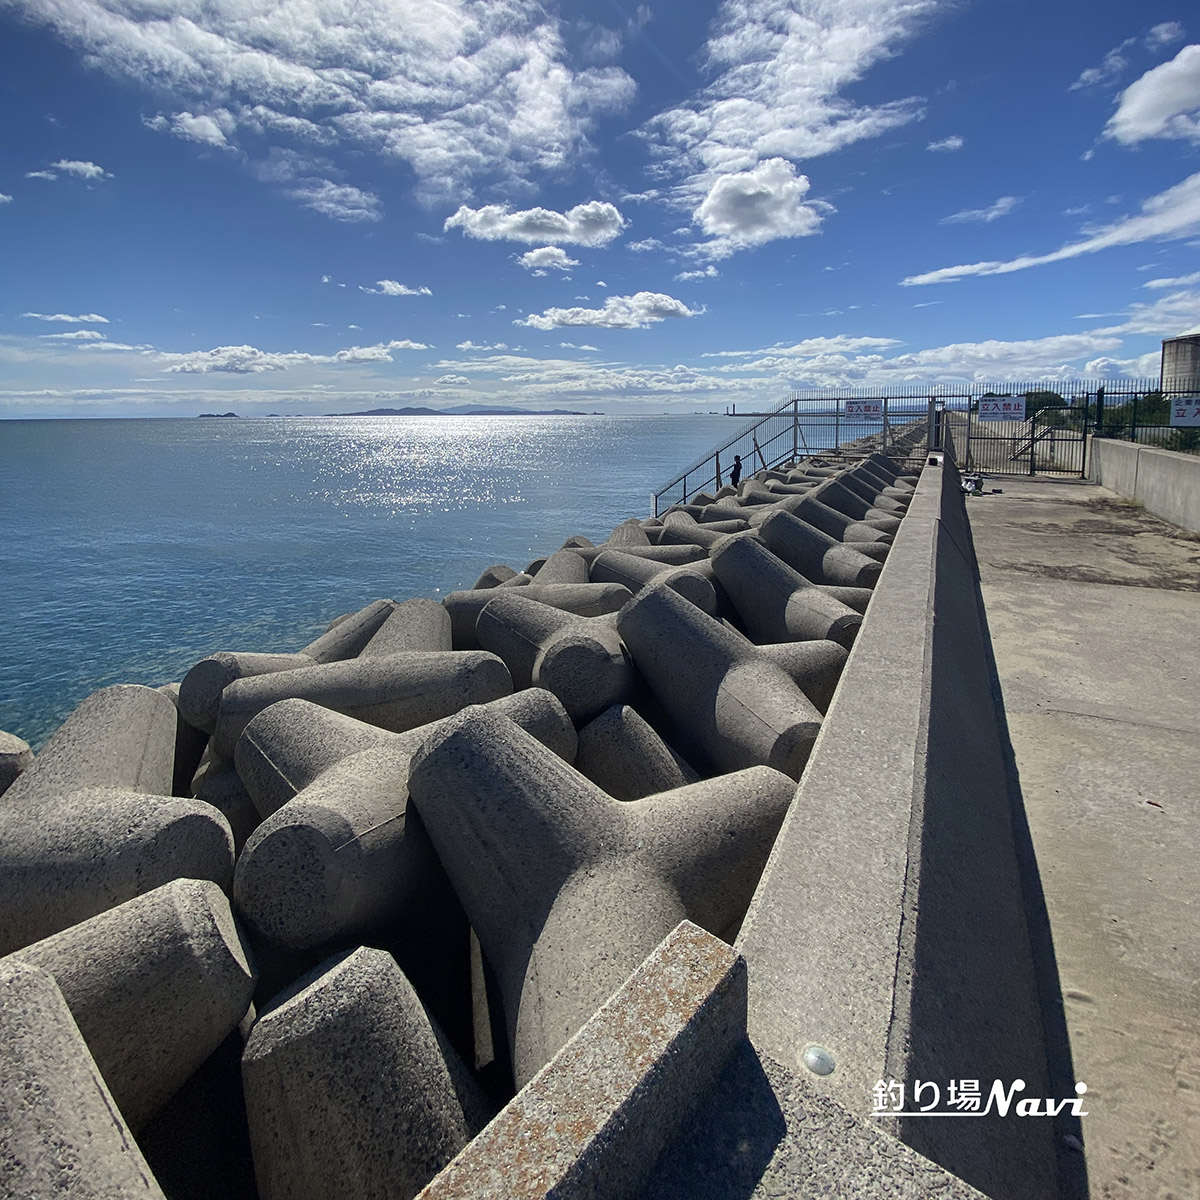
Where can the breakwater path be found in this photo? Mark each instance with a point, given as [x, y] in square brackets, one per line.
[1093, 607]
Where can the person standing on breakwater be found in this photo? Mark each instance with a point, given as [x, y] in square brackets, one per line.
[736, 473]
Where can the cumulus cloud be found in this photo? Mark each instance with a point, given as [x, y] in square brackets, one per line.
[249, 360]
[81, 319]
[5, 199]
[595, 223]
[40, 175]
[547, 258]
[998, 208]
[779, 69]
[619, 312]
[750, 208]
[1163, 103]
[709, 272]
[1174, 213]
[470, 345]
[646, 245]
[70, 166]
[389, 287]
[453, 381]
[207, 128]
[456, 89]
[946, 144]
[581, 346]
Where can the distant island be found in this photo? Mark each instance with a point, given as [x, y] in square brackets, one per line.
[459, 410]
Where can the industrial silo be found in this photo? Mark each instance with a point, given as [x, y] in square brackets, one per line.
[1181, 364]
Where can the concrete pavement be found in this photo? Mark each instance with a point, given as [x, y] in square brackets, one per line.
[1094, 610]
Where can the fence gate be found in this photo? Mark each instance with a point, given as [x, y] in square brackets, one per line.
[1051, 442]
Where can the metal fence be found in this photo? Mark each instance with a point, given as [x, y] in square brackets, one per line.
[849, 423]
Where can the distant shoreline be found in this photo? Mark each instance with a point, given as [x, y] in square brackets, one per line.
[462, 411]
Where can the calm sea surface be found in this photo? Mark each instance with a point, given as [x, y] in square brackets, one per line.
[133, 548]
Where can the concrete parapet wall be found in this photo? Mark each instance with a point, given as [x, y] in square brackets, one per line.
[889, 928]
[1165, 481]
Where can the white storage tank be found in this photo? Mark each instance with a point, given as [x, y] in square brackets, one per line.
[1181, 364]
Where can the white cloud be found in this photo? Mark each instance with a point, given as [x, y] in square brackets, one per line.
[76, 335]
[81, 319]
[619, 312]
[453, 381]
[750, 208]
[1178, 281]
[582, 346]
[779, 68]
[1174, 213]
[338, 201]
[70, 166]
[5, 199]
[249, 360]
[389, 287]
[1164, 103]
[470, 345]
[998, 208]
[601, 283]
[709, 272]
[811, 348]
[40, 175]
[1108, 72]
[1164, 35]
[547, 258]
[947, 144]
[207, 128]
[457, 89]
[595, 223]
[646, 245]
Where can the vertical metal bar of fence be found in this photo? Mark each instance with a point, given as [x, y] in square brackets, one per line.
[1133, 422]
[1100, 409]
[795, 429]
[885, 425]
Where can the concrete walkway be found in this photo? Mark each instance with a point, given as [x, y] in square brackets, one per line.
[1094, 609]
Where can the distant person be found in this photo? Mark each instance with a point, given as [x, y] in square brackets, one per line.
[736, 473]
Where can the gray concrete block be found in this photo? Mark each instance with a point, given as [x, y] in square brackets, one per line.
[190, 744]
[620, 752]
[199, 697]
[521, 579]
[1168, 484]
[567, 888]
[836, 495]
[418, 624]
[775, 602]
[629, 533]
[154, 985]
[72, 858]
[563, 566]
[934, 892]
[583, 599]
[351, 1090]
[666, 555]
[594, 1121]
[398, 692]
[815, 667]
[15, 757]
[872, 493]
[346, 856]
[289, 744]
[576, 541]
[856, 598]
[580, 660]
[829, 520]
[493, 576]
[61, 1134]
[817, 556]
[218, 783]
[636, 573]
[119, 737]
[348, 637]
[730, 707]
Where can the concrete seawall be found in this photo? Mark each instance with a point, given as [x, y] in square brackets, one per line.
[1165, 481]
[549, 800]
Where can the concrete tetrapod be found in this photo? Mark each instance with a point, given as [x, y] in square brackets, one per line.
[580, 659]
[119, 737]
[730, 706]
[345, 856]
[219, 784]
[352, 1092]
[837, 495]
[154, 985]
[563, 566]
[418, 624]
[568, 889]
[61, 1134]
[620, 752]
[775, 602]
[582, 599]
[398, 692]
[347, 638]
[66, 860]
[872, 493]
[815, 667]
[288, 745]
[816, 555]
[200, 691]
[636, 573]
[835, 523]
[15, 757]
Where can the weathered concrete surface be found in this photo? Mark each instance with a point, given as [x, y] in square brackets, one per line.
[1094, 607]
[1165, 481]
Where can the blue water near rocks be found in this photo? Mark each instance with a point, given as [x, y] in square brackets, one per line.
[133, 548]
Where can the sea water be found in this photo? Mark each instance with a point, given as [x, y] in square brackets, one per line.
[133, 548]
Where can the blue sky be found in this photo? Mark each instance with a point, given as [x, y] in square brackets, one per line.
[329, 205]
